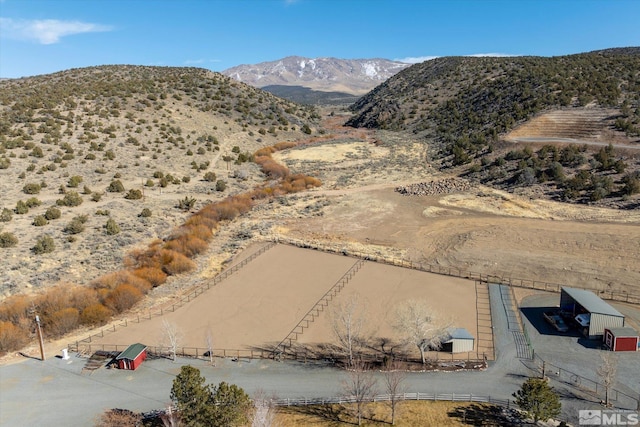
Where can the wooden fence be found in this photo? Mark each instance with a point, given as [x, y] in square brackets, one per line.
[451, 397]
[621, 296]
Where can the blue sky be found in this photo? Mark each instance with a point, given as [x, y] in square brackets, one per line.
[45, 36]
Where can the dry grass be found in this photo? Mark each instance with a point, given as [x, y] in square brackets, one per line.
[409, 414]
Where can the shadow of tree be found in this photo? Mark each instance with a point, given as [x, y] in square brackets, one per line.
[486, 415]
[334, 414]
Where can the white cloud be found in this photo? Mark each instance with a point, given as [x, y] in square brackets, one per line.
[46, 31]
[415, 59]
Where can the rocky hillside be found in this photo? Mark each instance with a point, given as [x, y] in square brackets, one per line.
[353, 76]
[94, 161]
[465, 107]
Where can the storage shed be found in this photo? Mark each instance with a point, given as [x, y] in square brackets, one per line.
[590, 312]
[459, 341]
[132, 357]
[621, 339]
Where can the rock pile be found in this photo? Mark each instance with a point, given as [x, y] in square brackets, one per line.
[443, 186]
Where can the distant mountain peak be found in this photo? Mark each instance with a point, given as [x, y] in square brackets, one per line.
[354, 76]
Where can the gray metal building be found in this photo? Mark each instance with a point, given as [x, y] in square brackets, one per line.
[592, 312]
[458, 341]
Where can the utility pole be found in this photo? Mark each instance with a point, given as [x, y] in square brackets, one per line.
[40, 339]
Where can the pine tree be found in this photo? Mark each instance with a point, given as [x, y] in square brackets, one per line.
[232, 405]
[538, 399]
[192, 397]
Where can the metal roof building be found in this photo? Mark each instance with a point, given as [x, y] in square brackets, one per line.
[132, 357]
[598, 313]
[459, 341]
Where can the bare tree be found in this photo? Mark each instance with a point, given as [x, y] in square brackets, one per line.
[394, 379]
[170, 417]
[607, 372]
[171, 337]
[209, 338]
[264, 412]
[347, 321]
[361, 386]
[420, 326]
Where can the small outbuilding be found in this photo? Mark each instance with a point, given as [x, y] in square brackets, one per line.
[458, 341]
[132, 357]
[590, 312]
[621, 339]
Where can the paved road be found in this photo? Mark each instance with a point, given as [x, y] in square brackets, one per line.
[57, 393]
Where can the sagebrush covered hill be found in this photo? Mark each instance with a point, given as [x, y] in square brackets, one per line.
[464, 108]
[94, 161]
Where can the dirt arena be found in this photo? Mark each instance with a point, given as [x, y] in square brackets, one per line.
[261, 303]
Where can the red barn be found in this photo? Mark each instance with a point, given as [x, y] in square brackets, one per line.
[132, 357]
[621, 339]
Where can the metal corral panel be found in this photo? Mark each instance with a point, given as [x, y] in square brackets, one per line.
[601, 321]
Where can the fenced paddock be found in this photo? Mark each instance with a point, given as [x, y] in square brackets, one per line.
[266, 298]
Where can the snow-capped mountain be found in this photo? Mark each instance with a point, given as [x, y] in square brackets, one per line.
[355, 76]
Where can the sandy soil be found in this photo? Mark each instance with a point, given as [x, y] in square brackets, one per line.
[258, 306]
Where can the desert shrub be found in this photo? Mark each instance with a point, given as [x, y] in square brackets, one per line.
[209, 176]
[15, 308]
[95, 197]
[147, 257]
[284, 145]
[6, 215]
[175, 263]
[32, 202]
[39, 221]
[118, 418]
[271, 168]
[8, 240]
[21, 208]
[74, 181]
[71, 198]
[133, 194]
[158, 174]
[52, 213]
[44, 244]
[221, 185]
[95, 314]
[31, 188]
[4, 163]
[61, 321]
[149, 183]
[12, 337]
[123, 297]
[111, 227]
[115, 186]
[75, 226]
[186, 204]
[146, 213]
[188, 245]
[86, 190]
[82, 297]
[103, 212]
[117, 278]
[199, 219]
[153, 275]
